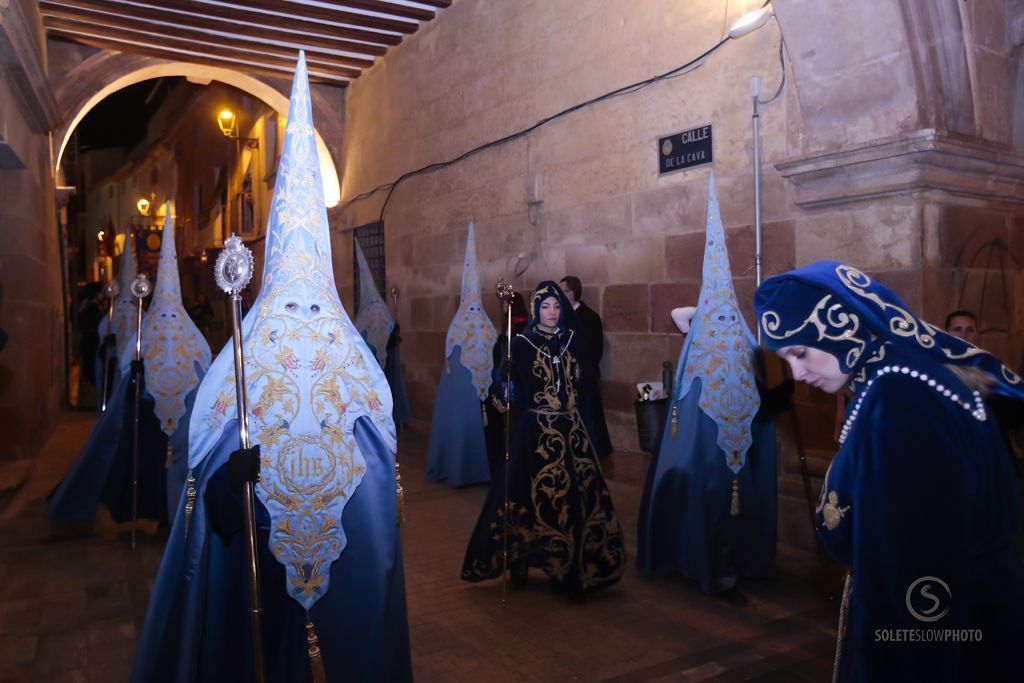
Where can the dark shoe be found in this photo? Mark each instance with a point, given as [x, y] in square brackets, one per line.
[734, 596]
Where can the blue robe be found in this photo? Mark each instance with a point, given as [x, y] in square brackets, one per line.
[103, 470]
[921, 488]
[106, 368]
[197, 625]
[401, 411]
[685, 523]
[457, 453]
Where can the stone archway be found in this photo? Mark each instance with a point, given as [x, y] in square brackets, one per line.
[103, 73]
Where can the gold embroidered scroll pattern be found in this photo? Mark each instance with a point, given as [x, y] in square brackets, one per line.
[832, 322]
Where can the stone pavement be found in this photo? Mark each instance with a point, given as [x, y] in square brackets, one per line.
[72, 598]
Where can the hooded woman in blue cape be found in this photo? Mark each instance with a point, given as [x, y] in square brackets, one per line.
[457, 453]
[562, 519]
[328, 542]
[708, 509]
[378, 327]
[175, 356]
[920, 502]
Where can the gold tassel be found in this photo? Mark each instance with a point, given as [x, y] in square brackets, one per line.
[674, 425]
[190, 499]
[400, 492]
[316, 662]
[734, 508]
[483, 412]
[170, 456]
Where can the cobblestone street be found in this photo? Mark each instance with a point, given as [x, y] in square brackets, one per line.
[72, 600]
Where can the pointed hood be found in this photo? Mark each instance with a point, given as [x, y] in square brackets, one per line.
[309, 375]
[719, 349]
[175, 351]
[374, 320]
[471, 329]
[125, 316]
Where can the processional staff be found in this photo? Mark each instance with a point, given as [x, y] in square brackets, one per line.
[112, 290]
[505, 293]
[233, 270]
[399, 491]
[140, 289]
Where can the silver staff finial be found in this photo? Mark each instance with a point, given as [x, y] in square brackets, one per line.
[503, 290]
[141, 286]
[234, 266]
[112, 289]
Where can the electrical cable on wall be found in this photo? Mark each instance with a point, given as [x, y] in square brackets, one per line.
[692, 64]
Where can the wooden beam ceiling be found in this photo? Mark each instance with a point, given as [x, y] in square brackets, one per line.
[261, 36]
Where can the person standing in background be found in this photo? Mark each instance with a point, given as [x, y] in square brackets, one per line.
[593, 328]
[963, 324]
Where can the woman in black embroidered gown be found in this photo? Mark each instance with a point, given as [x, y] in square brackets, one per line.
[562, 519]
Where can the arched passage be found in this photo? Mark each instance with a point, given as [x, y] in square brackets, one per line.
[84, 86]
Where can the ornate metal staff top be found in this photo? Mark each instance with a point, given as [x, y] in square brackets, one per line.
[112, 289]
[141, 286]
[503, 290]
[234, 267]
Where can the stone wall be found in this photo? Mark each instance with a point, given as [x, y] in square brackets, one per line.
[485, 70]
[31, 366]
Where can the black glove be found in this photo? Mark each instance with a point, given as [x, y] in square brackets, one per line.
[508, 369]
[395, 339]
[137, 368]
[244, 466]
[777, 399]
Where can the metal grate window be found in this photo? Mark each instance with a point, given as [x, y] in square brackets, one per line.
[371, 239]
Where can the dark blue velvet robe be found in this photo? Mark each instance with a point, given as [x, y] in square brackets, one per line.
[102, 472]
[923, 489]
[197, 625]
[685, 523]
[457, 451]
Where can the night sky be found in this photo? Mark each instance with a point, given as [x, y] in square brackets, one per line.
[120, 119]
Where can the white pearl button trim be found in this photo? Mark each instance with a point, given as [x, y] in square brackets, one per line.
[976, 409]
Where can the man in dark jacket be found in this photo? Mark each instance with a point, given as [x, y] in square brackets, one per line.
[593, 328]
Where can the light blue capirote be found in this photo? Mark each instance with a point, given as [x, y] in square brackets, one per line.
[708, 508]
[457, 452]
[471, 328]
[309, 375]
[719, 350]
[176, 358]
[173, 345]
[373, 320]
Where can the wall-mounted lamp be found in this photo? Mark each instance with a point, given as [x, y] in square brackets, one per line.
[143, 206]
[751, 21]
[227, 120]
